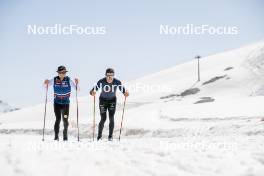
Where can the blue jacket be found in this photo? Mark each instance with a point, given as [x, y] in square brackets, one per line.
[62, 90]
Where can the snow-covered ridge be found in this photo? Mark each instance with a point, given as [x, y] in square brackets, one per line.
[226, 77]
[234, 73]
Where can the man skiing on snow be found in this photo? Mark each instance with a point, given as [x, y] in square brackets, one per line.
[62, 90]
[107, 100]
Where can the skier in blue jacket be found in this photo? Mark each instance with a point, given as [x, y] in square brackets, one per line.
[62, 85]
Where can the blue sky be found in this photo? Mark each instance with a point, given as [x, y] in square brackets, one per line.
[132, 45]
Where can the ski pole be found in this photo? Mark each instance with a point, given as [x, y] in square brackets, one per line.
[45, 111]
[77, 104]
[122, 119]
[93, 116]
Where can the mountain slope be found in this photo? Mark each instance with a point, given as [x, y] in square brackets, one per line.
[234, 73]
[213, 127]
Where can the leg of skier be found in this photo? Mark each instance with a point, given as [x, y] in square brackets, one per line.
[65, 114]
[103, 109]
[57, 111]
[111, 110]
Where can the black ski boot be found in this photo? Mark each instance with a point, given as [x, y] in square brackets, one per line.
[56, 138]
[110, 138]
[99, 138]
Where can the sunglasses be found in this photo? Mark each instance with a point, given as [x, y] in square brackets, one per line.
[110, 75]
[62, 73]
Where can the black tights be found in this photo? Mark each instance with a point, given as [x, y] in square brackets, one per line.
[105, 105]
[61, 111]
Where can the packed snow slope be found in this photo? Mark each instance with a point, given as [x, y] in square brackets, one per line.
[232, 84]
[173, 125]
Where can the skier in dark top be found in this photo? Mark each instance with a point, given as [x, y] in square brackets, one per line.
[107, 100]
[62, 90]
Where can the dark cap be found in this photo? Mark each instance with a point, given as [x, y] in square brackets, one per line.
[62, 68]
[109, 70]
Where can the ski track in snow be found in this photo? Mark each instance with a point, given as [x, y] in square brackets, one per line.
[184, 127]
[230, 143]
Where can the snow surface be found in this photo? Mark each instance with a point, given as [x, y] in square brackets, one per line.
[217, 130]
